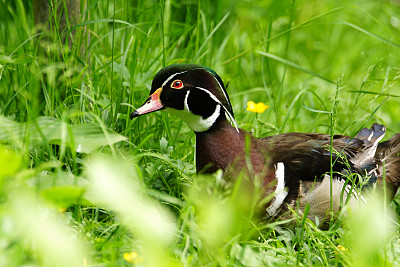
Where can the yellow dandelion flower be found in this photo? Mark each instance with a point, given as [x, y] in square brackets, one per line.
[256, 108]
[132, 257]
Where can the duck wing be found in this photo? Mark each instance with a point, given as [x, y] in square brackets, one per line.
[307, 156]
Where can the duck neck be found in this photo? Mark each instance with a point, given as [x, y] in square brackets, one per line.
[218, 146]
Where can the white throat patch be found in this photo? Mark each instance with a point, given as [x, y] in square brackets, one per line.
[195, 122]
[227, 114]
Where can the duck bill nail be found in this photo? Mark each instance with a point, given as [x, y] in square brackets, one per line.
[153, 103]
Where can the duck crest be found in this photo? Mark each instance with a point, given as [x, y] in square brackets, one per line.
[292, 166]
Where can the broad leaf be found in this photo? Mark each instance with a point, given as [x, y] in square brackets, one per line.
[83, 138]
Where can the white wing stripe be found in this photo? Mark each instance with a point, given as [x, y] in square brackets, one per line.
[279, 191]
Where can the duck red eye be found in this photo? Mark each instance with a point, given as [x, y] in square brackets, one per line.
[177, 84]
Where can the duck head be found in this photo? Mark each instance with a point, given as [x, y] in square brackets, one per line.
[194, 93]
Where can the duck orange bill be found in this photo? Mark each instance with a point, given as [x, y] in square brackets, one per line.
[153, 103]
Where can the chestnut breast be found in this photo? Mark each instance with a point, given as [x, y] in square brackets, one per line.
[223, 147]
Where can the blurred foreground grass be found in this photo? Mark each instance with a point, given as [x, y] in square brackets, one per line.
[82, 184]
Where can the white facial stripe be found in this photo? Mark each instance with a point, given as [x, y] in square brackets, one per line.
[172, 76]
[211, 95]
[230, 117]
[220, 86]
[279, 191]
[175, 74]
[185, 103]
[195, 122]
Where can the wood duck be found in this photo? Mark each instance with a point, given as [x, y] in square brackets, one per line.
[294, 167]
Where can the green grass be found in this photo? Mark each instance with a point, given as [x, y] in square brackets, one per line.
[82, 184]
